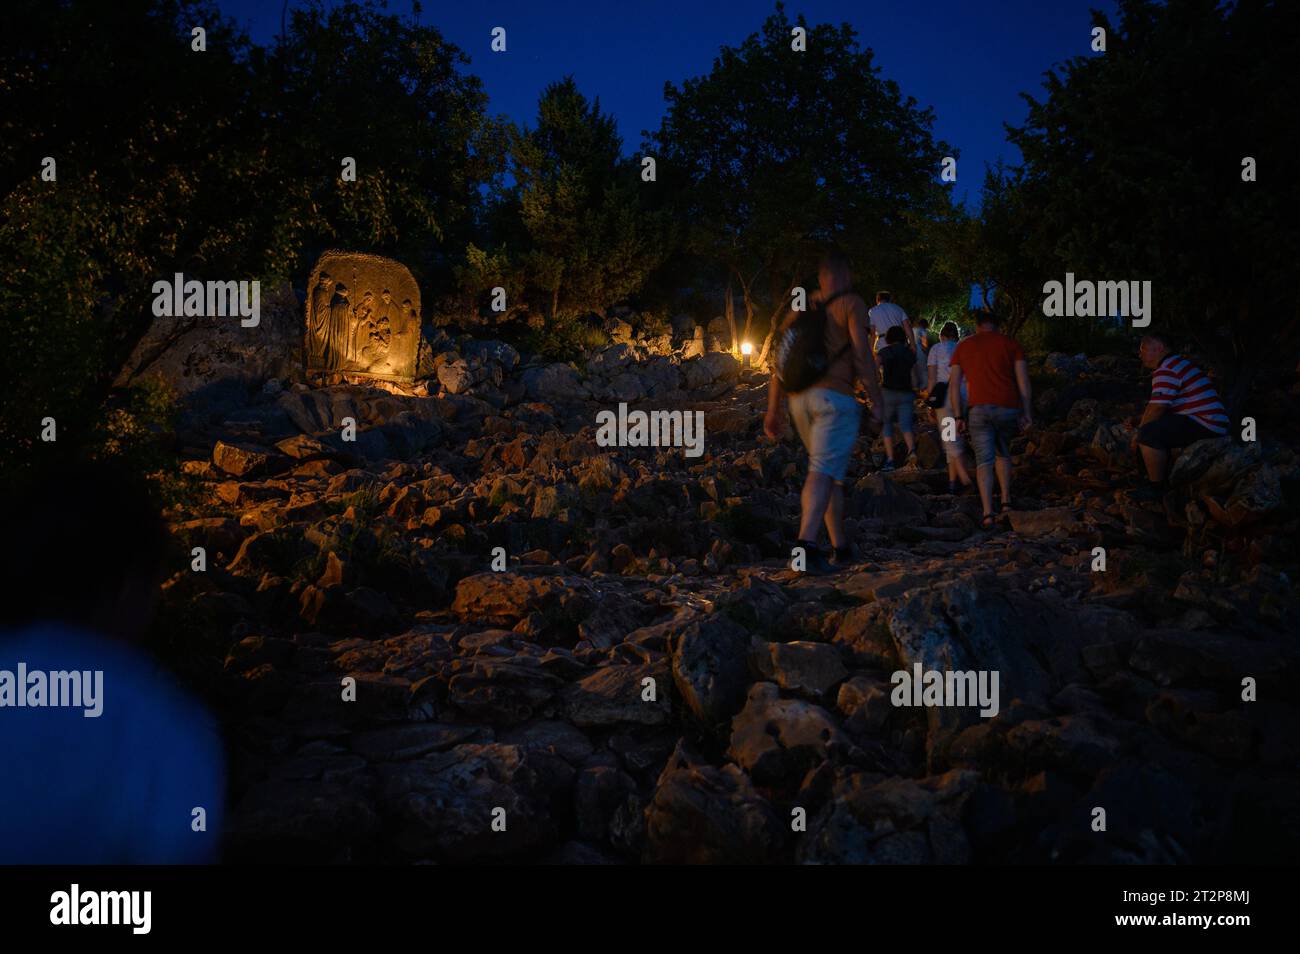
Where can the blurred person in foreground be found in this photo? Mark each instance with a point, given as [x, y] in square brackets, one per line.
[107, 759]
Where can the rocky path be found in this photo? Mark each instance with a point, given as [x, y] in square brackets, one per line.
[647, 680]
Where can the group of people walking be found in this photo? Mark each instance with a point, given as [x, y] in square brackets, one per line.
[977, 392]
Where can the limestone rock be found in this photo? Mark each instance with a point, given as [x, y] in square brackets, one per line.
[616, 694]
[553, 382]
[198, 356]
[446, 801]
[778, 740]
[1039, 523]
[706, 815]
[709, 668]
[801, 666]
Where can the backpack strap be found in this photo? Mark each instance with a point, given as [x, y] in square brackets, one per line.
[838, 294]
[848, 344]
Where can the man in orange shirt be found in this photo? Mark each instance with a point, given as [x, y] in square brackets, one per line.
[997, 380]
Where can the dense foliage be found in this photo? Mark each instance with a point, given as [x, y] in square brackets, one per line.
[227, 164]
[1133, 170]
[222, 164]
[574, 233]
[777, 153]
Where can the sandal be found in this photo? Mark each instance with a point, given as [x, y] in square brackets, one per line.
[989, 522]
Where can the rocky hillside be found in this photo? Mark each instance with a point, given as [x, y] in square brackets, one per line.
[647, 680]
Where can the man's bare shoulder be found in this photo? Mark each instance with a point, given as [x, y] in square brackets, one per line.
[853, 306]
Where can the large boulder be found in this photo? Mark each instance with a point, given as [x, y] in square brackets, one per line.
[710, 669]
[809, 668]
[492, 351]
[246, 460]
[502, 690]
[659, 376]
[198, 355]
[1253, 497]
[892, 821]
[458, 375]
[619, 694]
[553, 382]
[683, 325]
[611, 358]
[506, 598]
[696, 346]
[706, 815]
[626, 386]
[447, 802]
[708, 369]
[1034, 644]
[1213, 465]
[879, 498]
[777, 741]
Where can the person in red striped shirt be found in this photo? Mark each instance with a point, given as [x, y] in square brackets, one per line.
[1184, 408]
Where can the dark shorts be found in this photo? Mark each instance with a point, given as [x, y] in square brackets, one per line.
[1170, 431]
[991, 429]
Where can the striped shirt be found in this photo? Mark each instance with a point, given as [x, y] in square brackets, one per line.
[1186, 390]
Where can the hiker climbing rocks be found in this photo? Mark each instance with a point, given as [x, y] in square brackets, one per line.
[1184, 408]
[821, 352]
[936, 399]
[992, 365]
[897, 364]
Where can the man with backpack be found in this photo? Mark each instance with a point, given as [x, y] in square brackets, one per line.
[820, 353]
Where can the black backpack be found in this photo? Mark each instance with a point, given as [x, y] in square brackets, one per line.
[801, 359]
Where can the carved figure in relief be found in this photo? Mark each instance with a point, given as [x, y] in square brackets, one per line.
[339, 328]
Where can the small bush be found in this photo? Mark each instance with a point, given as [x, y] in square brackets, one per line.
[1076, 336]
[566, 340]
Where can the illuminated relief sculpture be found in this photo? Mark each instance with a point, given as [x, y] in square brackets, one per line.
[363, 317]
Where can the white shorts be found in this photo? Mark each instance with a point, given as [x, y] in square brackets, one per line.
[827, 423]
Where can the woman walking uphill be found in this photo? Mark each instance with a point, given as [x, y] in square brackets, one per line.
[936, 398]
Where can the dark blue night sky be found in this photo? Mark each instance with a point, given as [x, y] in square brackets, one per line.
[969, 60]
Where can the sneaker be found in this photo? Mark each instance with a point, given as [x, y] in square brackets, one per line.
[888, 467]
[954, 488]
[815, 562]
[818, 565]
[842, 556]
